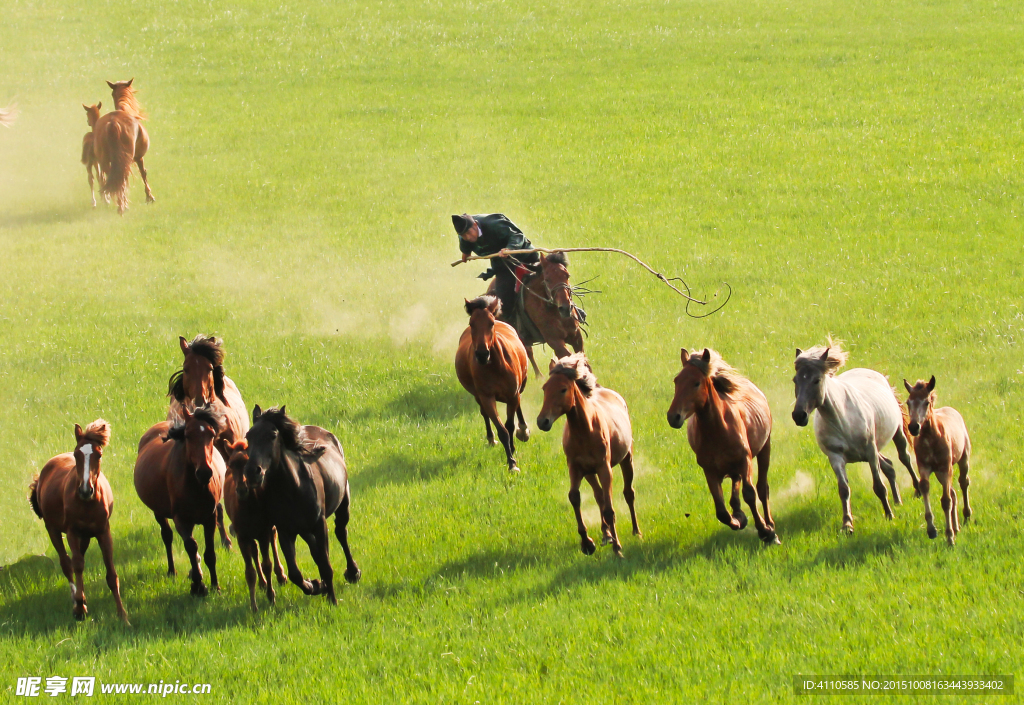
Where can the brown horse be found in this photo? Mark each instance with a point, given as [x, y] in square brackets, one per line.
[92, 115]
[250, 521]
[941, 440]
[550, 316]
[120, 139]
[491, 364]
[302, 473]
[201, 381]
[179, 475]
[728, 425]
[72, 496]
[597, 436]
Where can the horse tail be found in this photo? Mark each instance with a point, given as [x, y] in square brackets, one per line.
[120, 146]
[33, 496]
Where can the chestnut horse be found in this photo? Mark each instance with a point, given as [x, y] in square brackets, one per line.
[250, 521]
[491, 364]
[72, 496]
[179, 475]
[92, 114]
[728, 425]
[941, 441]
[552, 318]
[201, 381]
[120, 139]
[302, 474]
[597, 436]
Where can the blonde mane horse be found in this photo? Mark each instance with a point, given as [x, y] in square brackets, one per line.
[120, 139]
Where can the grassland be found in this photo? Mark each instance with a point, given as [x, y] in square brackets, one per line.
[849, 167]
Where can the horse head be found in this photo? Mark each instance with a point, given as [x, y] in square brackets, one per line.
[89, 446]
[483, 312]
[565, 376]
[813, 368]
[201, 377]
[919, 403]
[691, 387]
[238, 457]
[555, 270]
[92, 113]
[272, 435]
[201, 429]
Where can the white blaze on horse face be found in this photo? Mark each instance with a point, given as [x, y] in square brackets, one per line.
[86, 452]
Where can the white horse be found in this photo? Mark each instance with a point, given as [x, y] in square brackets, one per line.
[858, 413]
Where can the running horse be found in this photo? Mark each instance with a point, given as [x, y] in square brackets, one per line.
[72, 496]
[597, 437]
[120, 139]
[491, 365]
[92, 115]
[545, 313]
[201, 381]
[728, 425]
[858, 413]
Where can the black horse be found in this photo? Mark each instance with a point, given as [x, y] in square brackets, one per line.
[302, 472]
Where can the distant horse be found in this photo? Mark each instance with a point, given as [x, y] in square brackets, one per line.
[729, 424]
[92, 115]
[250, 520]
[120, 139]
[72, 496]
[302, 474]
[179, 475]
[550, 316]
[201, 381]
[597, 436]
[941, 441]
[491, 364]
[8, 115]
[858, 413]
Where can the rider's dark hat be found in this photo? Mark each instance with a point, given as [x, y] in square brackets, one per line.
[462, 223]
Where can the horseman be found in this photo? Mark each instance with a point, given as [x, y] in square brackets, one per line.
[492, 235]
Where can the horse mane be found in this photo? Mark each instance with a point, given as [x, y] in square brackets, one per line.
[293, 436]
[724, 376]
[577, 368]
[836, 357]
[97, 432]
[558, 258]
[125, 101]
[212, 349]
[204, 414]
[486, 301]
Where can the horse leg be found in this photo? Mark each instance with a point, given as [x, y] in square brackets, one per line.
[766, 534]
[838, 463]
[57, 539]
[715, 485]
[487, 425]
[627, 489]
[586, 543]
[278, 570]
[167, 535]
[953, 514]
[265, 569]
[78, 545]
[489, 408]
[529, 355]
[145, 180]
[322, 558]
[877, 485]
[107, 548]
[224, 540]
[312, 543]
[606, 532]
[763, 459]
[247, 547]
[192, 549]
[946, 478]
[294, 574]
[210, 555]
[902, 444]
[890, 475]
[523, 431]
[965, 465]
[92, 190]
[341, 517]
[924, 486]
[510, 425]
[734, 503]
[604, 475]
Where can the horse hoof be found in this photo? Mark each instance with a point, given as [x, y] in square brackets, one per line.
[523, 434]
[226, 543]
[742, 519]
[281, 579]
[618, 552]
[950, 540]
[771, 539]
[171, 572]
[848, 529]
[637, 533]
[606, 540]
[587, 547]
[932, 533]
[352, 576]
[491, 442]
[513, 468]
[198, 590]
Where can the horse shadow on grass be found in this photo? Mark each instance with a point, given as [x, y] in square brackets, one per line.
[435, 402]
[404, 469]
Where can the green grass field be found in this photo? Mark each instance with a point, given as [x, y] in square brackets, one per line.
[851, 168]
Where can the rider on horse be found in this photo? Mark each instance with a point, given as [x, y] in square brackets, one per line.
[491, 235]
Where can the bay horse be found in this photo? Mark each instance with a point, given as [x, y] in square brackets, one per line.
[120, 139]
[92, 115]
[550, 315]
[597, 436]
[940, 441]
[728, 425]
[302, 474]
[179, 475]
[858, 413]
[251, 523]
[491, 364]
[72, 496]
[201, 381]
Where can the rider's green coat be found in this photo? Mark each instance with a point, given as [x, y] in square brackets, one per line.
[496, 233]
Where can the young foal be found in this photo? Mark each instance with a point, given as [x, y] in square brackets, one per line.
[250, 520]
[941, 441]
[72, 496]
[120, 139]
[597, 436]
[858, 413]
[92, 114]
[179, 475]
[491, 364]
[301, 472]
[729, 424]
